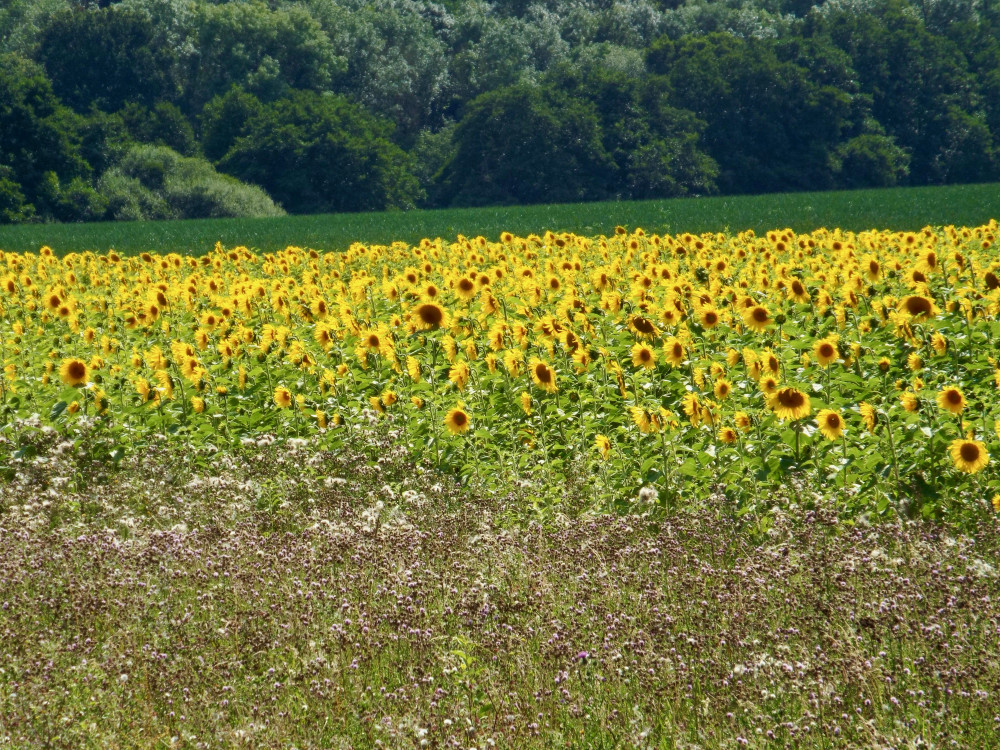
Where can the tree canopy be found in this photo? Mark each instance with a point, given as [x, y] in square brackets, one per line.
[349, 105]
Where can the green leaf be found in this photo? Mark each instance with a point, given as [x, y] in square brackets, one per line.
[57, 409]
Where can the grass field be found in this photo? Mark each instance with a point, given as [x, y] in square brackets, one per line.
[896, 208]
[291, 597]
[628, 491]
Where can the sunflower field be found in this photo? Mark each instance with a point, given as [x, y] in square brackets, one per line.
[733, 365]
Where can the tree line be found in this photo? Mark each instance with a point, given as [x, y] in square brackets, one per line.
[189, 108]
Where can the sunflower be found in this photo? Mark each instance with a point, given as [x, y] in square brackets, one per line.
[768, 385]
[708, 317]
[282, 397]
[73, 371]
[191, 369]
[543, 375]
[512, 360]
[143, 388]
[642, 326]
[918, 307]
[910, 401]
[969, 456]
[428, 316]
[674, 351]
[603, 445]
[771, 362]
[526, 402]
[790, 403]
[641, 418]
[722, 389]
[797, 291]
[826, 352]
[873, 269]
[459, 374]
[643, 356]
[951, 399]
[868, 414]
[757, 318]
[830, 423]
[940, 344]
[728, 435]
[465, 289]
[457, 420]
[692, 408]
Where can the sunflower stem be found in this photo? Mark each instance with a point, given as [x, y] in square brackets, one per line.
[892, 451]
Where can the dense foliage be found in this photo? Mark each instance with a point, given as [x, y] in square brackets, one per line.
[688, 363]
[412, 102]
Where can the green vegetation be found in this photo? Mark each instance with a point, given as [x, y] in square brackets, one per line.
[291, 596]
[895, 208]
[337, 105]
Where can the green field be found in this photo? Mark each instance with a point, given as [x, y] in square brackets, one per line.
[895, 208]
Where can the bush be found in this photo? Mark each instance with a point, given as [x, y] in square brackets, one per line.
[320, 153]
[13, 206]
[155, 182]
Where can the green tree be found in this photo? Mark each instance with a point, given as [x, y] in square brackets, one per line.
[870, 160]
[655, 147]
[39, 144]
[162, 124]
[397, 62]
[225, 119]
[922, 91]
[21, 23]
[14, 207]
[527, 144]
[320, 152]
[107, 58]
[267, 52]
[770, 127]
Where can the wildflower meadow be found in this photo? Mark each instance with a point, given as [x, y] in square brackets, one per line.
[637, 490]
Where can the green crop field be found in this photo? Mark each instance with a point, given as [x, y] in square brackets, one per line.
[896, 208]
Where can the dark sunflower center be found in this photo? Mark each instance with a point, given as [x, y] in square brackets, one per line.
[953, 397]
[642, 325]
[543, 373]
[918, 305]
[969, 452]
[430, 314]
[790, 398]
[760, 314]
[77, 370]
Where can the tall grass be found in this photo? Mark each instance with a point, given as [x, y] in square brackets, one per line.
[896, 208]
